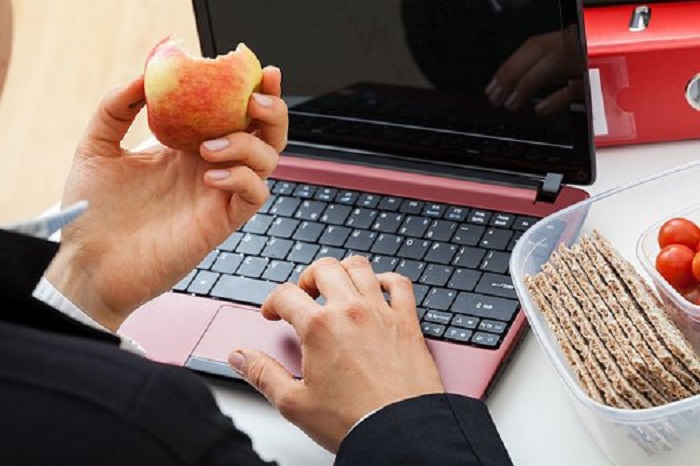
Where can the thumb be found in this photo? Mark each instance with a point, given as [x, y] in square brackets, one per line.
[267, 375]
[113, 119]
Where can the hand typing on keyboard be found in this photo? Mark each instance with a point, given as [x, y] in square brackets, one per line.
[360, 352]
[154, 215]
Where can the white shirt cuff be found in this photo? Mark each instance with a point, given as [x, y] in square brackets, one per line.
[47, 293]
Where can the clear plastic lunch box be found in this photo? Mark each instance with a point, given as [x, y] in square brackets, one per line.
[628, 216]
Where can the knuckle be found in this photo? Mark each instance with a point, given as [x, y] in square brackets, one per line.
[357, 262]
[356, 311]
[326, 261]
[318, 322]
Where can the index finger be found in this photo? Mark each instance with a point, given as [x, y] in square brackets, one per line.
[291, 303]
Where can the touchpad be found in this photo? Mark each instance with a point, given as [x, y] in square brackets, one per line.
[240, 327]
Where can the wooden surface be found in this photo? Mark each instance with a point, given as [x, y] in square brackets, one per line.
[66, 55]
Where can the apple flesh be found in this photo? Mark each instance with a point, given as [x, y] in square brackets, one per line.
[191, 100]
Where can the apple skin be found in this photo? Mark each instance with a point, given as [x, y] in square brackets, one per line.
[191, 100]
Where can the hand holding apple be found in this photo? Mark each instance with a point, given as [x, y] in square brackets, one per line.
[154, 215]
[191, 100]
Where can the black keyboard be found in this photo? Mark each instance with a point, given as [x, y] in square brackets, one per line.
[457, 257]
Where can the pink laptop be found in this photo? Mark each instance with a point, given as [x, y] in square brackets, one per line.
[403, 149]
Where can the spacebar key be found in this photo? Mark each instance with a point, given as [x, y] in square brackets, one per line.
[243, 290]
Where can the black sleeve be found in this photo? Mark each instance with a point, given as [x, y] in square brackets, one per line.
[179, 412]
[432, 429]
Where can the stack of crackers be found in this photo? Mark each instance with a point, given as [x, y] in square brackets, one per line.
[613, 329]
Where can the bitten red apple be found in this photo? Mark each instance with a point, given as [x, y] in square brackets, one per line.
[191, 100]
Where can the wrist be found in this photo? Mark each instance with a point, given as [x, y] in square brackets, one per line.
[80, 285]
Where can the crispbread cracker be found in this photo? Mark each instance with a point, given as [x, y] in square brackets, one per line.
[621, 389]
[657, 357]
[605, 324]
[567, 347]
[687, 363]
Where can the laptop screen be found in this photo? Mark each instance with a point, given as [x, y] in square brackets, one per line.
[496, 85]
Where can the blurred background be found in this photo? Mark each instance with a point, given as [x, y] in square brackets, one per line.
[66, 55]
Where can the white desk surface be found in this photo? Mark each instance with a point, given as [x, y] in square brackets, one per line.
[529, 404]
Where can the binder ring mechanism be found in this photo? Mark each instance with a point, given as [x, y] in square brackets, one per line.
[692, 92]
[640, 19]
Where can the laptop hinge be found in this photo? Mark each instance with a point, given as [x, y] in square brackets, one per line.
[549, 188]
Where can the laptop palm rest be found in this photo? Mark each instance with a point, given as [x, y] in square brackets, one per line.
[199, 333]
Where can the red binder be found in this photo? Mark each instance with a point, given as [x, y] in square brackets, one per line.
[645, 84]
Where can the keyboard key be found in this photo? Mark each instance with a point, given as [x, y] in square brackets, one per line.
[414, 226]
[278, 271]
[414, 248]
[496, 261]
[458, 334]
[464, 280]
[327, 251]
[310, 210]
[336, 214]
[382, 264]
[368, 201]
[463, 321]
[456, 214]
[522, 223]
[441, 230]
[347, 197]
[488, 307]
[303, 253]
[439, 298]
[438, 317]
[433, 210]
[208, 260]
[432, 330]
[468, 235]
[411, 207]
[496, 238]
[361, 218]
[479, 217]
[325, 194]
[361, 240]
[411, 269]
[253, 267]
[389, 203]
[185, 282]
[284, 206]
[436, 275]
[243, 290]
[309, 231]
[420, 291]
[388, 222]
[231, 242]
[251, 245]
[203, 282]
[283, 227]
[420, 312]
[284, 188]
[258, 224]
[277, 248]
[268, 203]
[493, 326]
[497, 285]
[227, 263]
[468, 257]
[298, 269]
[270, 184]
[486, 339]
[305, 191]
[387, 244]
[441, 253]
[334, 235]
[502, 220]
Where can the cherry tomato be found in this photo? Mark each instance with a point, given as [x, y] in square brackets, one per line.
[679, 231]
[692, 293]
[675, 264]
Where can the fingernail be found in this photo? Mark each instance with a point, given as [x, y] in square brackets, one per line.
[262, 100]
[491, 86]
[511, 101]
[216, 144]
[218, 175]
[495, 95]
[237, 361]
